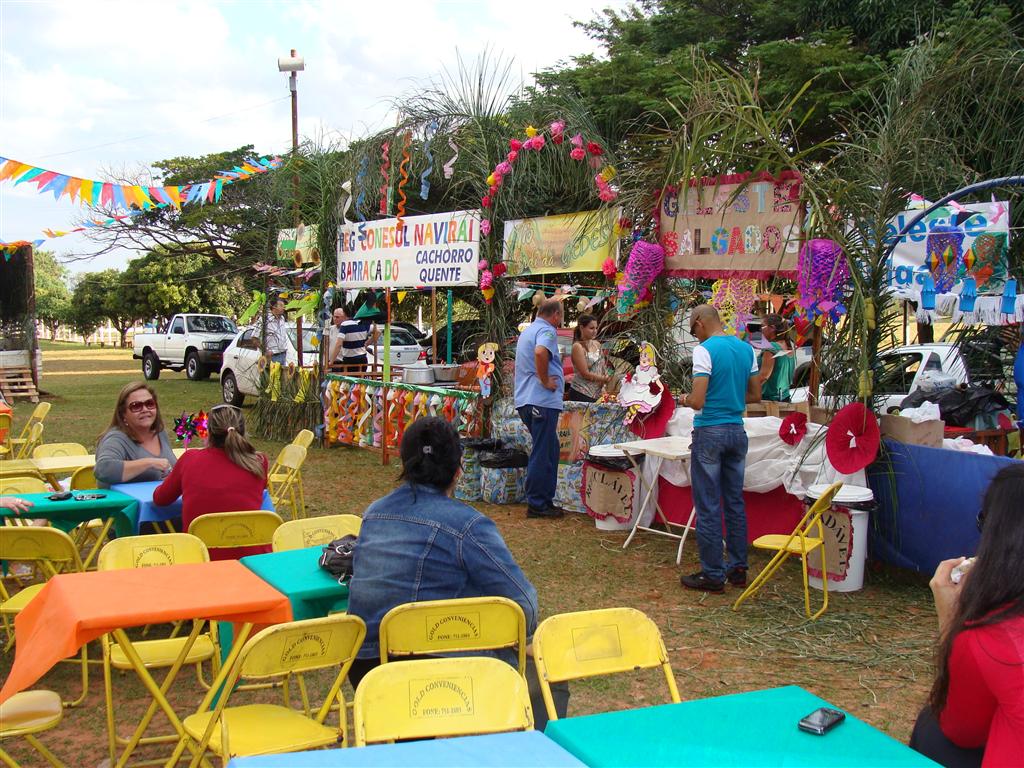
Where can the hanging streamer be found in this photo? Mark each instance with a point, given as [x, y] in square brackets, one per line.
[346, 187]
[428, 134]
[385, 168]
[449, 167]
[378, 416]
[403, 173]
[364, 169]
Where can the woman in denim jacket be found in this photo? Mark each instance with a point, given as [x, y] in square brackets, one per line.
[417, 543]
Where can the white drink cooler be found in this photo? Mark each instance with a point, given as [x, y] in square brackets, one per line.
[846, 524]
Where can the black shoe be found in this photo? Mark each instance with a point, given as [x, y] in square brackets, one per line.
[549, 512]
[701, 582]
[737, 576]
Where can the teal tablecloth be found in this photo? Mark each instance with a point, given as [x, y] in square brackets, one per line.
[745, 729]
[66, 515]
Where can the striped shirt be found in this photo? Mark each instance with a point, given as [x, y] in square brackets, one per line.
[354, 335]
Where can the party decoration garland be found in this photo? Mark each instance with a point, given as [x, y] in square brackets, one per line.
[449, 167]
[403, 172]
[734, 299]
[364, 169]
[346, 187]
[385, 168]
[428, 134]
[822, 272]
[645, 262]
[189, 426]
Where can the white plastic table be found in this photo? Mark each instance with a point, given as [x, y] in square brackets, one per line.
[669, 448]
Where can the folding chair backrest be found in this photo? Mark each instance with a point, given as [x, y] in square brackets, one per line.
[35, 437]
[813, 515]
[313, 531]
[235, 529]
[304, 438]
[83, 479]
[607, 641]
[38, 414]
[291, 457]
[23, 484]
[440, 697]
[59, 449]
[448, 626]
[152, 550]
[49, 547]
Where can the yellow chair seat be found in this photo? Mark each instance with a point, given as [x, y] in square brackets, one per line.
[263, 729]
[778, 542]
[20, 600]
[163, 653]
[277, 478]
[29, 712]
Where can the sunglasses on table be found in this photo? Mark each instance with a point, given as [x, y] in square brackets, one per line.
[139, 405]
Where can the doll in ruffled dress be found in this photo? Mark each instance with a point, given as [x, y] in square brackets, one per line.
[641, 392]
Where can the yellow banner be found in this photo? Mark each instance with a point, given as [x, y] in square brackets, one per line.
[574, 242]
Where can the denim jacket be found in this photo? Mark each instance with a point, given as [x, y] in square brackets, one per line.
[418, 544]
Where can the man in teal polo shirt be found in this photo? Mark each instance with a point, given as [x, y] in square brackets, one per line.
[539, 389]
[724, 381]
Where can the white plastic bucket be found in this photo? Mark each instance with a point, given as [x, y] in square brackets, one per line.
[857, 503]
[607, 457]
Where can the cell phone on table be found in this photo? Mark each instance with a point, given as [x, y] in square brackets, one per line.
[90, 496]
[821, 720]
[60, 496]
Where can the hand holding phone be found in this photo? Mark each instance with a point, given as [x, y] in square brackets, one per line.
[821, 720]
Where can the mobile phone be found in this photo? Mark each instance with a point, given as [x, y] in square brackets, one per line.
[90, 496]
[820, 721]
[63, 496]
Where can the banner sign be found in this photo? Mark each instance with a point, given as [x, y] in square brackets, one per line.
[437, 250]
[733, 226]
[573, 242]
[298, 245]
[951, 245]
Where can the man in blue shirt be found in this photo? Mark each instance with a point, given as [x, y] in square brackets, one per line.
[539, 388]
[724, 380]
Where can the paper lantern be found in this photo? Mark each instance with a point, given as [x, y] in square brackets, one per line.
[928, 292]
[1009, 303]
[793, 428]
[969, 295]
[852, 440]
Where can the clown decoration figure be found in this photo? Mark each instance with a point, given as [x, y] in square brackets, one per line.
[485, 366]
[641, 392]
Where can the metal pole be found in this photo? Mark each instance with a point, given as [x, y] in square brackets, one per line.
[387, 376]
[433, 324]
[448, 358]
[293, 86]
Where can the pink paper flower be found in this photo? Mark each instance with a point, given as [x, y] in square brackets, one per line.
[607, 195]
[492, 190]
[503, 168]
[482, 264]
[486, 279]
[608, 268]
[594, 149]
[485, 227]
[515, 145]
[577, 154]
[485, 201]
[500, 268]
[577, 140]
[557, 131]
[512, 156]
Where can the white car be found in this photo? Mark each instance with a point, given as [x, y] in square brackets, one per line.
[405, 350]
[899, 372]
[240, 370]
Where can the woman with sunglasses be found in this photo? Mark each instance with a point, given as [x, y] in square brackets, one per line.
[135, 448]
[975, 714]
[228, 475]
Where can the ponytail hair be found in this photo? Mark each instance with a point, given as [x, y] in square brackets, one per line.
[226, 427]
[431, 453]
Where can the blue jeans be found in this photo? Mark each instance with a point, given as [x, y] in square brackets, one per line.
[542, 470]
[718, 458]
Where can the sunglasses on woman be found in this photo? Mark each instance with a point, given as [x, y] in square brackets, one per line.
[139, 405]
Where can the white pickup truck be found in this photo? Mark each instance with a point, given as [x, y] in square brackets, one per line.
[191, 342]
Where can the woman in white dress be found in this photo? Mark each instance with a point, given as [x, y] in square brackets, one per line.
[642, 392]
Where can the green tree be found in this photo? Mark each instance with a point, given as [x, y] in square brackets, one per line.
[103, 296]
[53, 296]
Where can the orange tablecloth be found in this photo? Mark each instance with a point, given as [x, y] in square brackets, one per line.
[74, 608]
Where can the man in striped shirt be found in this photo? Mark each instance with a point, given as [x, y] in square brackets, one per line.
[351, 339]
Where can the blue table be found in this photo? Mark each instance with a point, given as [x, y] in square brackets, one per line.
[928, 503]
[752, 729]
[152, 513]
[525, 749]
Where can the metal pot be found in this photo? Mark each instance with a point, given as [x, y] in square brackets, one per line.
[445, 373]
[417, 375]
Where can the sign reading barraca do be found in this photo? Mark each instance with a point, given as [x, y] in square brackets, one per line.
[951, 245]
[437, 250]
[741, 225]
[572, 242]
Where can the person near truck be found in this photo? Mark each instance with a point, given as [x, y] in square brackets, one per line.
[277, 333]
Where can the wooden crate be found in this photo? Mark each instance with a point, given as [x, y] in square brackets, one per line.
[779, 410]
[16, 382]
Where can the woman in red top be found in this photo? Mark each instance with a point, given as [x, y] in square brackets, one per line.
[229, 475]
[979, 691]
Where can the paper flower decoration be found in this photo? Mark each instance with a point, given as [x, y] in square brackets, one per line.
[557, 129]
[189, 426]
[594, 149]
[499, 269]
[577, 154]
[608, 268]
[485, 227]
[531, 131]
[852, 440]
[793, 428]
[644, 263]
[822, 274]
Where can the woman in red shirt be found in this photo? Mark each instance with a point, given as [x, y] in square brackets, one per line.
[978, 693]
[228, 475]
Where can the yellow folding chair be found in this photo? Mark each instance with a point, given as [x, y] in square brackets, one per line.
[26, 714]
[11, 484]
[304, 438]
[59, 449]
[431, 698]
[219, 530]
[267, 729]
[453, 626]
[83, 479]
[285, 481]
[50, 551]
[35, 437]
[38, 414]
[297, 534]
[569, 646]
[147, 552]
[6, 426]
[808, 536]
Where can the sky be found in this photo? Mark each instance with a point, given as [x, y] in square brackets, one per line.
[89, 89]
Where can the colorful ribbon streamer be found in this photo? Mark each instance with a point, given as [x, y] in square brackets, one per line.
[385, 168]
[403, 173]
[364, 169]
[428, 134]
[449, 167]
[346, 187]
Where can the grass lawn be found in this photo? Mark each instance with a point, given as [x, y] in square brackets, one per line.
[870, 653]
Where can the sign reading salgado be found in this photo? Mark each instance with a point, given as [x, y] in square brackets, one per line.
[439, 250]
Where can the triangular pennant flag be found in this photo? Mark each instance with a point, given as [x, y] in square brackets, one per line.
[72, 189]
[107, 194]
[28, 175]
[55, 185]
[118, 193]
